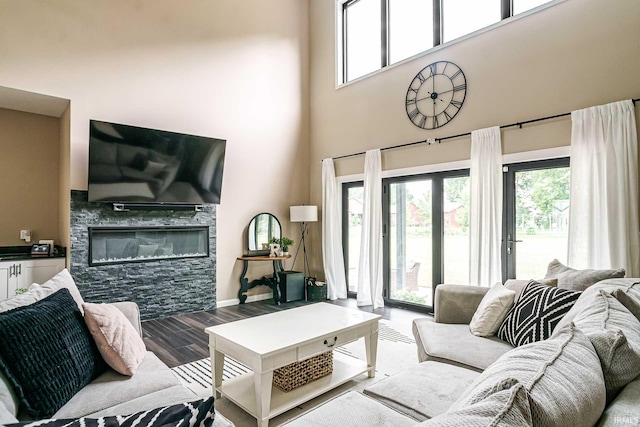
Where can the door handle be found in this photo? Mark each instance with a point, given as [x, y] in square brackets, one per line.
[509, 245]
[19, 269]
[509, 240]
[12, 270]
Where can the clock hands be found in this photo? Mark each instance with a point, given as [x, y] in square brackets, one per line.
[430, 97]
[433, 84]
[426, 97]
[446, 91]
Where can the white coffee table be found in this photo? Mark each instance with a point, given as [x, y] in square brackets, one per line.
[268, 342]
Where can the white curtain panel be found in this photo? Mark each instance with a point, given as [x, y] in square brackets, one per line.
[485, 228]
[370, 267]
[603, 218]
[332, 233]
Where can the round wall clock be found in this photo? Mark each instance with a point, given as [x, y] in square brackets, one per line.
[436, 94]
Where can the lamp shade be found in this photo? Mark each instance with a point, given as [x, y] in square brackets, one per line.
[303, 213]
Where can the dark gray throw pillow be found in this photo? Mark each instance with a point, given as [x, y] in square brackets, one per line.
[579, 280]
[47, 353]
[536, 313]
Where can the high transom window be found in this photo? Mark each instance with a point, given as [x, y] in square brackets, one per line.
[379, 33]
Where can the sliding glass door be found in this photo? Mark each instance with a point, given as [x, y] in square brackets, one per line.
[409, 237]
[426, 228]
[536, 217]
[426, 235]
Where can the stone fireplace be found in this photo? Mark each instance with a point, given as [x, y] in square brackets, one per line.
[163, 260]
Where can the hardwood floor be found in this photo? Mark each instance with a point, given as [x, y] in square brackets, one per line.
[181, 339]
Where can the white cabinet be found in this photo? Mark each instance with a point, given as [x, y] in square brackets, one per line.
[6, 280]
[21, 274]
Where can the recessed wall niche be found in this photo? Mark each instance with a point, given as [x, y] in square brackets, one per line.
[162, 287]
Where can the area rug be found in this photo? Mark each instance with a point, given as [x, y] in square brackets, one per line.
[396, 352]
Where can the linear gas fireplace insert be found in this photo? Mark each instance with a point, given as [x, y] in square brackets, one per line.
[115, 245]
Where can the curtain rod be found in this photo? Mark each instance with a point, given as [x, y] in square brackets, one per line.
[444, 138]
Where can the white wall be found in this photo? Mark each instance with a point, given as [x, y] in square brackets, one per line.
[229, 69]
[576, 54]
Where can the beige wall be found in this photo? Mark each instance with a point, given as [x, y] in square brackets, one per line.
[64, 203]
[29, 165]
[222, 68]
[573, 55]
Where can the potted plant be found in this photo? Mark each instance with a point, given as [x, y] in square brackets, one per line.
[285, 242]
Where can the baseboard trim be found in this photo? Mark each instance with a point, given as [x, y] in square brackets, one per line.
[250, 298]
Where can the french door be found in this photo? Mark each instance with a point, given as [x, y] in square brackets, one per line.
[426, 228]
[536, 217]
[426, 235]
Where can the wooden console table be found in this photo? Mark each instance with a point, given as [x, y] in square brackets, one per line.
[272, 282]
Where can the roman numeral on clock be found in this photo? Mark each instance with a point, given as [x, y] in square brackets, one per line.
[413, 113]
[456, 104]
[459, 87]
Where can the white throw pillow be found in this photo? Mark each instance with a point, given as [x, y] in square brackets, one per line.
[492, 310]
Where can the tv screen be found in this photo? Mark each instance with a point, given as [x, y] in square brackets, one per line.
[139, 165]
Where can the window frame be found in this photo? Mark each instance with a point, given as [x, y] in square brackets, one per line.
[509, 171]
[437, 260]
[342, 6]
[532, 160]
[437, 239]
[345, 229]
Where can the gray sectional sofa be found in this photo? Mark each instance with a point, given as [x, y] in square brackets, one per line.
[463, 379]
[153, 385]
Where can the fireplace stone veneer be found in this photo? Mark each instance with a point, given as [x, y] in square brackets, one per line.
[173, 280]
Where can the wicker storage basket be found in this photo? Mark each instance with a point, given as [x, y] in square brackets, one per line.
[300, 373]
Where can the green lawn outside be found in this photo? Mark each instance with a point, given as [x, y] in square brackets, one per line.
[533, 255]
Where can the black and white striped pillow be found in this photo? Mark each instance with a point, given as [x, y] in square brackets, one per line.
[199, 413]
[536, 313]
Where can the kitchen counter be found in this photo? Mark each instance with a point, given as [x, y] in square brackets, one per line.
[20, 253]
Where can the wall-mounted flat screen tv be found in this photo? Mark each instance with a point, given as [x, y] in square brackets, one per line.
[139, 165]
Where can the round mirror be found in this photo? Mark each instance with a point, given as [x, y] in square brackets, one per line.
[262, 228]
